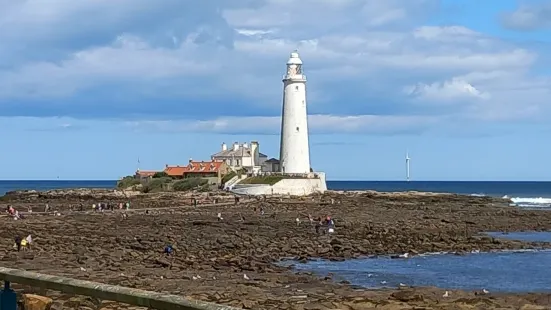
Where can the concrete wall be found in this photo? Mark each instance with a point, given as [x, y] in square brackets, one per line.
[300, 187]
[136, 297]
[252, 189]
[296, 187]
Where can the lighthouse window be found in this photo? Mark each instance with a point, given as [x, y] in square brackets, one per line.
[296, 88]
[297, 129]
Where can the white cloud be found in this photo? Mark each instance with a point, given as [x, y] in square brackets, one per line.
[529, 16]
[318, 124]
[452, 90]
[352, 49]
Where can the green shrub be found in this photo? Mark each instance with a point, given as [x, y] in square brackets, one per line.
[189, 184]
[160, 174]
[127, 181]
[157, 185]
[228, 177]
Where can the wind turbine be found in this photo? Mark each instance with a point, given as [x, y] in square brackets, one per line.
[407, 166]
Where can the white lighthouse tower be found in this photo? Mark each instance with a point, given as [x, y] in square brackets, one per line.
[294, 148]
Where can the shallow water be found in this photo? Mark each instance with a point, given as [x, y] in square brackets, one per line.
[504, 271]
[540, 236]
[514, 271]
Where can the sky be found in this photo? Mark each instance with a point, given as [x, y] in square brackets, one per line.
[89, 87]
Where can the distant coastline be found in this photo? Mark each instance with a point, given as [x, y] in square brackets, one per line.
[523, 189]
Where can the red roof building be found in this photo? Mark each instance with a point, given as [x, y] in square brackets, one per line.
[200, 169]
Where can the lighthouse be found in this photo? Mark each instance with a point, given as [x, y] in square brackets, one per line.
[294, 148]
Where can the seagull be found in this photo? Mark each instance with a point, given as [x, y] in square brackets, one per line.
[298, 221]
[246, 277]
[369, 275]
[82, 269]
[485, 291]
[405, 255]
[446, 294]
[402, 285]
[383, 282]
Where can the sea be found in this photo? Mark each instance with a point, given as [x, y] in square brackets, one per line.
[524, 194]
[505, 271]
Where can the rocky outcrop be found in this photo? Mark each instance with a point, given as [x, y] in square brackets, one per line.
[75, 193]
[233, 261]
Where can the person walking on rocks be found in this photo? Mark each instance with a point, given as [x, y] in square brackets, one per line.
[169, 250]
[29, 240]
[18, 243]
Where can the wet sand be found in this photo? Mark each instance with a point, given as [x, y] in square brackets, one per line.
[212, 257]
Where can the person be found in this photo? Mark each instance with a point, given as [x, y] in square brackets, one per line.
[169, 250]
[29, 240]
[18, 243]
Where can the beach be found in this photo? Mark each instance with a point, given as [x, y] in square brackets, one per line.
[236, 260]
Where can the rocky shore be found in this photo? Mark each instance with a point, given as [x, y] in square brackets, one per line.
[233, 261]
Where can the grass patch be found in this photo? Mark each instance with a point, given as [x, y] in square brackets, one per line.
[127, 181]
[228, 177]
[268, 180]
[157, 185]
[189, 184]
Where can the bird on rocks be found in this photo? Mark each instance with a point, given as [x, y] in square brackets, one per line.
[82, 269]
[446, 294]
[485, 291]
[402, 285]
[246, 277]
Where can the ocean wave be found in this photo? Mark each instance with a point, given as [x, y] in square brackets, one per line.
[532, 202]
[478, 195]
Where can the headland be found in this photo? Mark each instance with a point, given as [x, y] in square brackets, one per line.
[234, 260]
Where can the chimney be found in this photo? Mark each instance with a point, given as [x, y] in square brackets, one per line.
[254, 153]
[224, 146]
[245, 145]
[190, 160]
[236, 146]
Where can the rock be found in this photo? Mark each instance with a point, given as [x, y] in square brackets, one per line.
[36, 302]
[533, 307]
[407, 296]
[248, 304]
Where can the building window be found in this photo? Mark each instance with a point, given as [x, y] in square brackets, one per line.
[298, 129]
[296, 88]
[237, 162]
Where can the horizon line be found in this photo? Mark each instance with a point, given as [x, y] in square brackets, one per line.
[337, 180]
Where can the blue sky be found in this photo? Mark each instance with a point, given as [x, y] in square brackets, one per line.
[87, 87]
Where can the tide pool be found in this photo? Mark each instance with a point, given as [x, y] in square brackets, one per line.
[509, 271]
